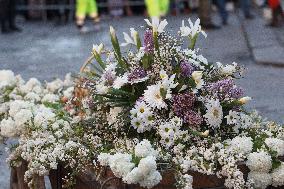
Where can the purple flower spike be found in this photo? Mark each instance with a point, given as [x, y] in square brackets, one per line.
[136, 74]
[225, 89]
[186, 69]
[183, 105]
[192, 118]
[236, 92]
[149, 41]
[183, 102]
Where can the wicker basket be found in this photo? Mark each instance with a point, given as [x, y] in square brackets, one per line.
[88, 179]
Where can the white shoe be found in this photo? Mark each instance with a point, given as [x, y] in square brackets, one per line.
[84, 30]
[97, 27]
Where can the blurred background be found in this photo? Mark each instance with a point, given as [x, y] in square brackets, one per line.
[49, 38]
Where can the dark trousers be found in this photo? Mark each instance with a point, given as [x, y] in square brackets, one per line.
[276, 13]
[245, 5]
[7, 14]
[221, 5]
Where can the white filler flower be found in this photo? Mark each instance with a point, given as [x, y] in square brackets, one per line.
[242, 145]
[259, 161]
[278, 176]
[261, 180]
[276, 145]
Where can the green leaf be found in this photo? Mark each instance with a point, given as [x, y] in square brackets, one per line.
[275, 164]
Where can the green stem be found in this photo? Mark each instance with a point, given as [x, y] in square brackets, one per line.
[156, 43]
[117, 51]
[139, 43]
[193, 42]
[99, 60]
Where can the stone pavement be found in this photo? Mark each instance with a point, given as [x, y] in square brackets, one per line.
[266, 43]
[45, 51]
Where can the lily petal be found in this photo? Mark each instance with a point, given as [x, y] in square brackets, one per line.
[162, 26]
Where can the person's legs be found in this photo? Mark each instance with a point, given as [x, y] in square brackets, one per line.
[62, 13]
[12, 15]
[153, 8]
[3, 20]
[3, 15]
[276, 13]
[164, 7]
[281, 12]
[115, 8]
[221, 4]
[81, 11]
[92, 11]
[204, 13]
[245, 6]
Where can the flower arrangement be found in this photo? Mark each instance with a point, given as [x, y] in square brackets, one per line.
[33, 113]
[163, 103]
[159, 106]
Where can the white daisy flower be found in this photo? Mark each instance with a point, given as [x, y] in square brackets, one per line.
[141, 117]
[233, 117]
[154, 97]
[214, 113]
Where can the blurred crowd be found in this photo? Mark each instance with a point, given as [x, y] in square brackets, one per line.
[61, 10]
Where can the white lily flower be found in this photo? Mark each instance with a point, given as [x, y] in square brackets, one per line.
[192, 30]
[157, 25]
[197, 77]
[112, 31]
[185, 30]
[98, 48]
[196, 28]
[132, 39]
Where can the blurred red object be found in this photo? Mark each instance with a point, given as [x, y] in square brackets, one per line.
[274, 3]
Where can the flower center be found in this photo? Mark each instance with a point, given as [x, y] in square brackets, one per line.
[137, 124]
[216, 113]
[158, 96]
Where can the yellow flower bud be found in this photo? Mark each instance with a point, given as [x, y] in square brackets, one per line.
[244, 100]
[197, 75]
[205, 133]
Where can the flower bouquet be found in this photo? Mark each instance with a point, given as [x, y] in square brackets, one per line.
[157, 115]
[34, 113]
[161, 106]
